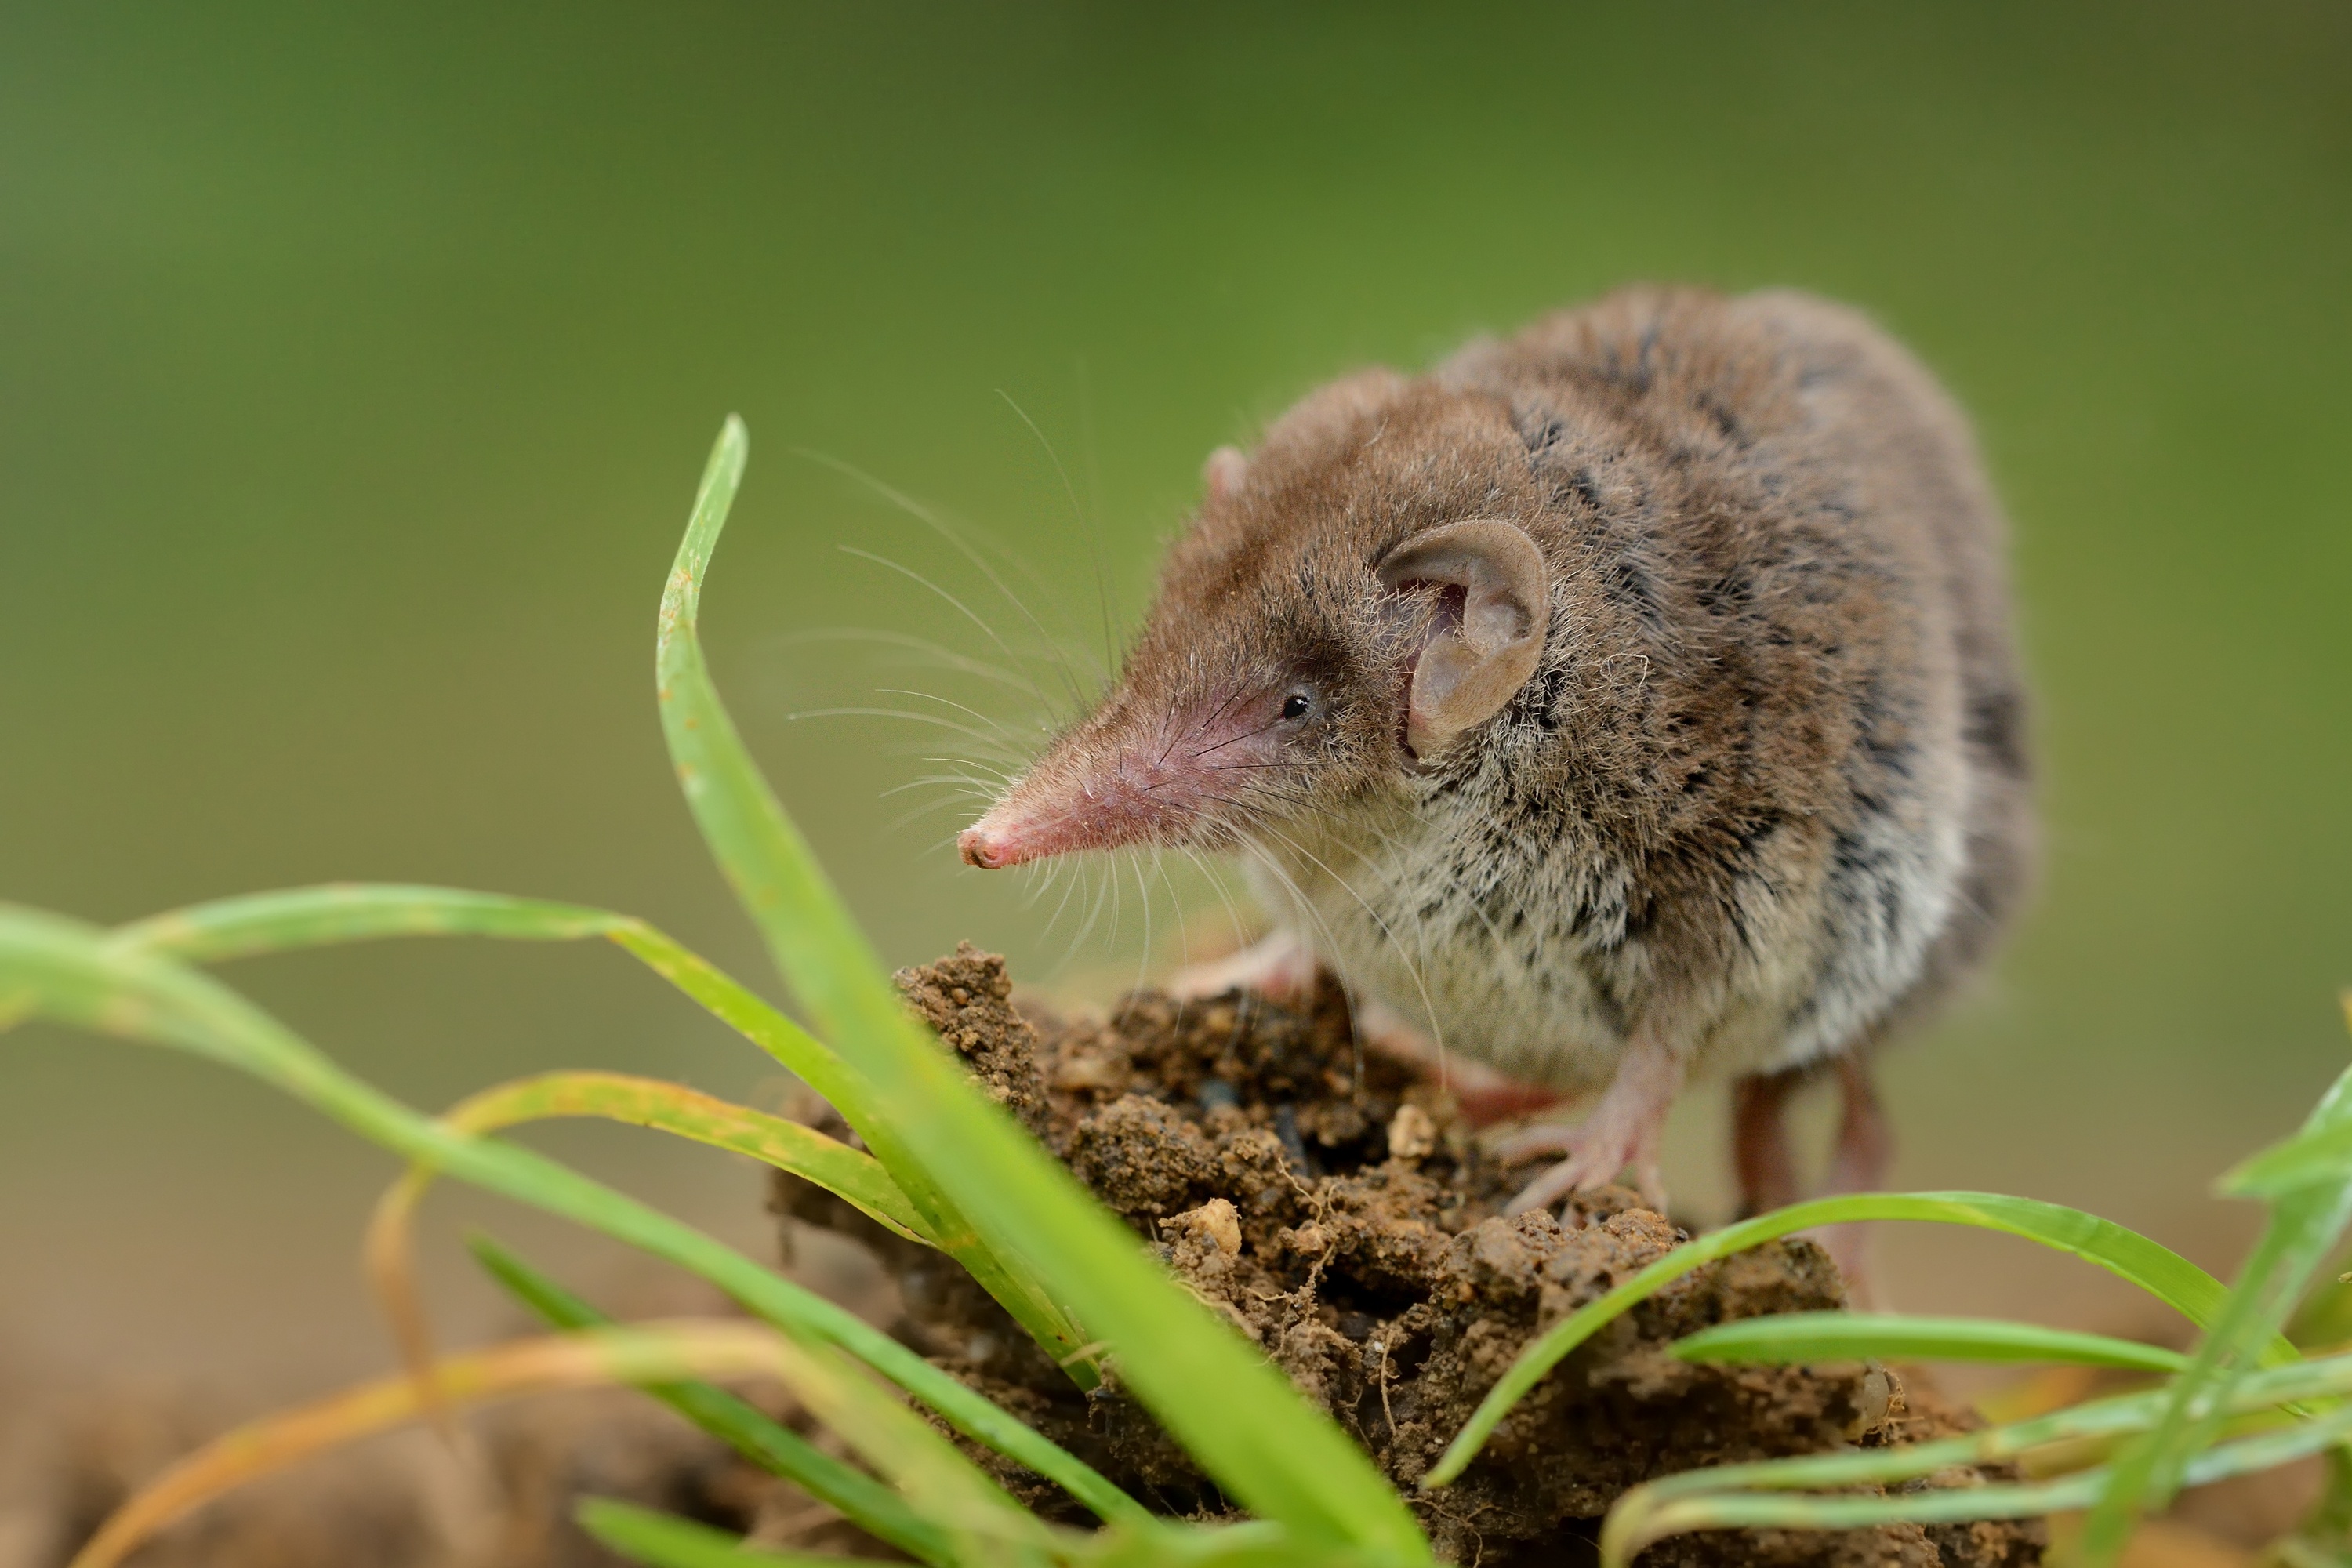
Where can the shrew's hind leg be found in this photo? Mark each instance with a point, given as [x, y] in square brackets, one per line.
[1766, 1164]
[1761, 1160]
[1865, 1147]
[1866, 1143]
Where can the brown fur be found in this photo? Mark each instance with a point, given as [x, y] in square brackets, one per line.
[1767, 791]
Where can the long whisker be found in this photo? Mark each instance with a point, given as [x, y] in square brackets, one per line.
[1299, 899]
[1102, 587]
[972, 788]
[1094, 492]
[996, 724]
[1093, 913]
[1002, 776]
[1436, 1029]
[1175, 909]
[938, 652]
[1232, 913]
[961, 608]
[1143, 961]
[962, 546]
[979, 736]
[1235, 740]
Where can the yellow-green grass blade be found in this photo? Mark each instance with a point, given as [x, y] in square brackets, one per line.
[2149, 1265]
[651, 1352]
[771, 1444]
[67, 970]
[302, 917]
[1241, 1420]
[1649, 1513]
[1253, 1543]
[938, 1481]
[1791, 1337]
[2306, 1159]
[2306, 1220]
[2270, 1396]
[665, 1540]
[618, 1096]
[288, 919]
[848, 1174]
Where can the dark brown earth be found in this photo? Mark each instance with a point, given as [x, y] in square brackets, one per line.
[1336, 1208]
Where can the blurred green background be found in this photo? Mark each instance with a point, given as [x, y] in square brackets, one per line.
[358, 363]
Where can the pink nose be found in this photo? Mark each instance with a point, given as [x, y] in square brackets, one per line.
[978, 850]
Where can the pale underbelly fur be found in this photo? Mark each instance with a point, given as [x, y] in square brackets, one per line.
[1534, 973]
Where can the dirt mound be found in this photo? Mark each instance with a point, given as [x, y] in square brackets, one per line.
[1342, 1213]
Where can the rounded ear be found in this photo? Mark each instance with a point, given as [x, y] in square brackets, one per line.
[1487, 633]
[1224, 472]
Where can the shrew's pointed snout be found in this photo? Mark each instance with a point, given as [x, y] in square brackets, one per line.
[981, 848]
[1047, 816]
[1110, 791]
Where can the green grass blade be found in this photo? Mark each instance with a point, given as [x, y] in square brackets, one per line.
[683, 1112]
[2305, 1223]
[2321, 1156]
[837, 975]
[2156, 1268]
[69, 970]
[1788, 1338]
[1650, 1512]
[302, 917]
[2306, 1159]
[769, 1444]
[2269, 1395]
[986, 1525]
[665, 1540]
[289, 919]
[1238, 1417]
[286, 918]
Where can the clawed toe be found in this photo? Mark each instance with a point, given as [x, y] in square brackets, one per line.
[1543, 1137]
[1587, 1166]
[1559, 1180]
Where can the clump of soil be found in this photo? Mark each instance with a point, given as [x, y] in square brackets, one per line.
[1342, 1213]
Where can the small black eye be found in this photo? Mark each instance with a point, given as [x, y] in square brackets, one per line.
[1297, 705]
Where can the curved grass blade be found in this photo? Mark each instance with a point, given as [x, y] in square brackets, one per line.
[1643, 1516]
[648, 1353]
[986, 1525]
[2154, 1268]
[300, 917]
[2306, 1222]
[666, 1540]
[670, 1108]
[771, 1444]
[2267, 1395]
[705, 750]
[289, 919]
[2308, 1159]
[1786, 1338]
[1238, 1417]
[70, 972]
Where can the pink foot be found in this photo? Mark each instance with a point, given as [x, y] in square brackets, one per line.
[1621, 1134]
[1279, 966]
